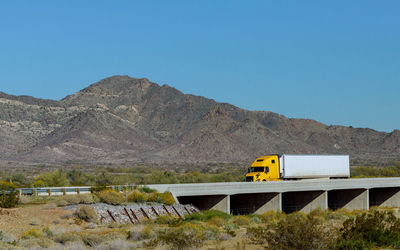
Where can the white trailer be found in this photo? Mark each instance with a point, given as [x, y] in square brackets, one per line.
[314, 166]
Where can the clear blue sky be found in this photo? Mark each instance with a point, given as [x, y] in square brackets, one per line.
[334, 61]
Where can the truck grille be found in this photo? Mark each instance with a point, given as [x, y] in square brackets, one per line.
[249, 178]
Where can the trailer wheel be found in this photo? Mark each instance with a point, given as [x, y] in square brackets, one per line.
[264, 180]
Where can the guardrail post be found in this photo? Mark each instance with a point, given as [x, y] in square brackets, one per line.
[19, 192]
[64, 191]
[34, 192]
[77, 190]
[49, 192]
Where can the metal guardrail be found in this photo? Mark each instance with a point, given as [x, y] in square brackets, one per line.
[49, 191]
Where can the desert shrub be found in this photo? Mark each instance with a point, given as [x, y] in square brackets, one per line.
[5, 237]
[77, 199]
[294, 231]
[216, 221]
[53, 179]
[168, 220]
[116, 235]
[167, 198]
[255, 218]
[98, 188]
[9, 196]
[182, 237]
[207, 215]
[147, 233]
[87, 214]
[230, 228]
[272, 216]
[47, 232]
[38, 183]
[32, 233]
[68, 200]
[36, 243]
[119, 244]
[111, 197]
[370, 229]
[67, 237]
[147, 190]
[155, 197]
[137, 197]
[87, 199]
[212, 232]
[92, 239]
[241, 220]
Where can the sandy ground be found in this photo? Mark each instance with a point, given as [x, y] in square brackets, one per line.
[18, 220]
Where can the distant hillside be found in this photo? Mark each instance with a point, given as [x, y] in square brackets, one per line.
[123, 120]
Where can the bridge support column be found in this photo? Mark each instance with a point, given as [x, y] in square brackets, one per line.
[273, 204]
[384, 197]
[206, 202]
[223, 205]
[304, 201]
[350, 199]
[257, 203]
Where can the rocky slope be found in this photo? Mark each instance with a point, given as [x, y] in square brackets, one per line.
[123, 120]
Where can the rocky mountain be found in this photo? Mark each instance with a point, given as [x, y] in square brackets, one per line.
[123, 120]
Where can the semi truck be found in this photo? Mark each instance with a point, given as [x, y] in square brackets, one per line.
[294, 167]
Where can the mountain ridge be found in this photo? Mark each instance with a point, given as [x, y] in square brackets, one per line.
[124, 120]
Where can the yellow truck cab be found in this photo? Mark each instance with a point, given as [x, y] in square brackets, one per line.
[295, 167]
[264, 168]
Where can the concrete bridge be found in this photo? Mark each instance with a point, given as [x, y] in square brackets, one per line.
[288, 196]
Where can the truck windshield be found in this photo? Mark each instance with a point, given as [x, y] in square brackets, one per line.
[256, 169]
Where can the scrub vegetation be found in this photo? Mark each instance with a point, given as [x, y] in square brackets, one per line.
[320, 229]
[102, 176]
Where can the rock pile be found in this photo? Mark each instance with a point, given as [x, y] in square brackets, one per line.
[137, 212]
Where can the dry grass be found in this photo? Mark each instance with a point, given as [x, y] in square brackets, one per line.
[209, 230]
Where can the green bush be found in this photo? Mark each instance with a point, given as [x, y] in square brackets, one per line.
[111, 197]
[155, 197]
[67, 237]
[147, 190]
[53, 179]
[255, 218]
[168, 220]
[167, 198]
[182, 237]
[33, 233]
[98, 188]
[9, 196]
[87, 214]
[137, 197]
[294, 231]
[216, 221]
[147, 233]
[370, 229]
[272, 216]
[241, 220]
[87, 199]
[77, 199]
[207, 215]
